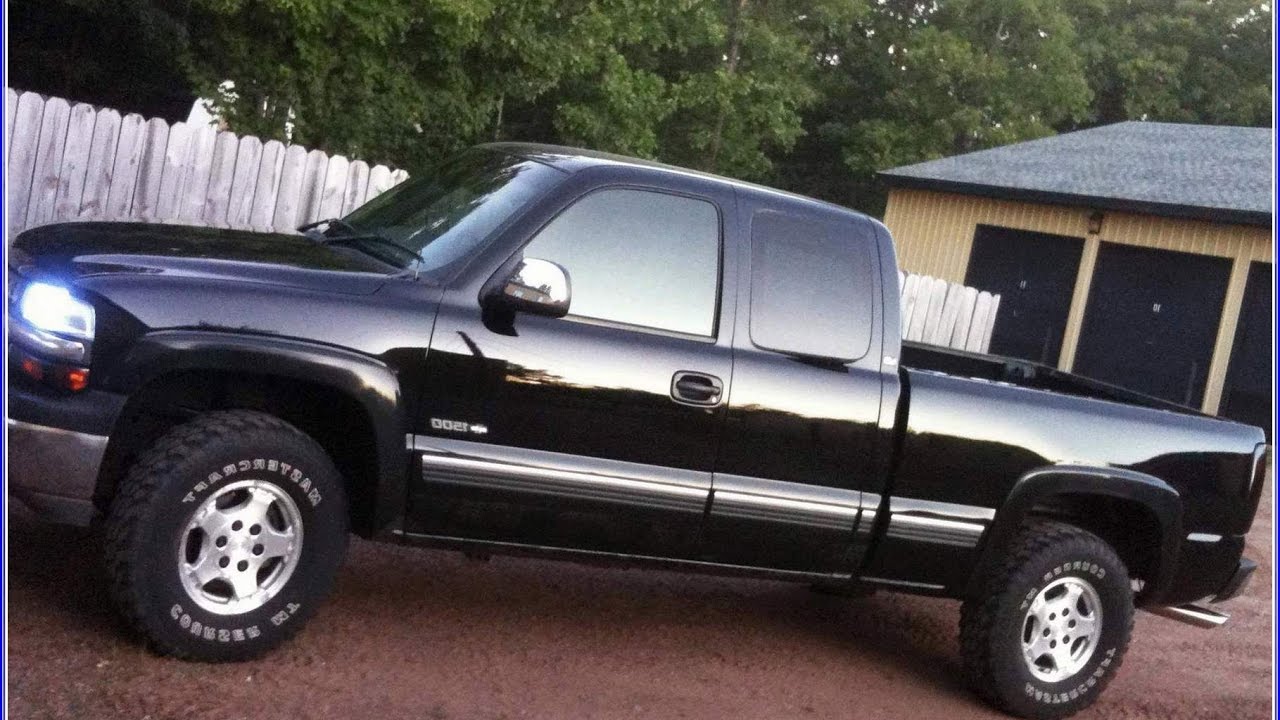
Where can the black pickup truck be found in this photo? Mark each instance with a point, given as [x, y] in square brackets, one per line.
[543, 350]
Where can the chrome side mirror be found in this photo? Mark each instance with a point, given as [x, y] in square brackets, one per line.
[539, 287]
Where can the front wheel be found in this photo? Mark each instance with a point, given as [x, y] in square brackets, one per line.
[225, 536]
[1049, 629]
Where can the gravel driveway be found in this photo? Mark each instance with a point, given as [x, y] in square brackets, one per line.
[425, 634]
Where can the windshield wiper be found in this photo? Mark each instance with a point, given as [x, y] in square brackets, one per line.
[353, 236]
[378, 239]
[331, 222]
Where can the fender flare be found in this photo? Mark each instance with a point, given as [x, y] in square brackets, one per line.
[366, 380]
[1156, 495]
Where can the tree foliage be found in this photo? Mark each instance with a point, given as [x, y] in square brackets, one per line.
[815, 96]
[1196, 61]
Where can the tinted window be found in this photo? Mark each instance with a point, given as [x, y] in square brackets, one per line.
[640, 258]
[811, 286]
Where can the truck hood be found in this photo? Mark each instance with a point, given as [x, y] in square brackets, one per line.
[82, 250]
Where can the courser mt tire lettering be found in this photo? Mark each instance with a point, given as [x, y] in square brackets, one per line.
[225, 536]
[1050, 625]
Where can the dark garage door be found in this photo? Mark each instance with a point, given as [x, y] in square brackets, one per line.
[1247, 394]
[1035, 275]
[1152, 320]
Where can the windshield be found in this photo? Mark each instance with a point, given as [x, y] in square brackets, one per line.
[445, 214]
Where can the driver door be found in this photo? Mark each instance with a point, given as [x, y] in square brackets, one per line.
[598, 430]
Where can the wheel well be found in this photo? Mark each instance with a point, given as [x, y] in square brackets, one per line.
[334, 419]
[1132, 529]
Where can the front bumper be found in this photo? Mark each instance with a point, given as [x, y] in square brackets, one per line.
[56, 447]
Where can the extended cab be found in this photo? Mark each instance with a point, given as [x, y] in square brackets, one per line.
[543, 350]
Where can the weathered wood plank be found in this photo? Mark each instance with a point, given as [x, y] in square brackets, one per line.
[910, 290]
[927, 303]
[960, 333]
[357, 186]
[267, 185]
[75, 162]
[335, 185]
[289, 198]
[312, 187]
[10, 112]
[221, 174]
[941, 333]
[977, 328]
[102, 157]
[53, 138]
[937, 302]
[379, 181]
[195, 187]
[176, 168]
[985, 346]
[151, 164]
[244, 179]
[23, 145]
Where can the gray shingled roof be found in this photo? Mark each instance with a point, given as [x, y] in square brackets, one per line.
[1203, 171]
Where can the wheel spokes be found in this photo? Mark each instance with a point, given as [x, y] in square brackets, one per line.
[205, 569]
[1060, 629]
[244, 583]
[242, 545]
[275, 543]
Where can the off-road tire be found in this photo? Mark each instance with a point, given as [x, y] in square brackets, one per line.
[992, 621]
[149, 513]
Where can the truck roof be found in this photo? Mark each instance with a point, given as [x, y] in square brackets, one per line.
[572, 160]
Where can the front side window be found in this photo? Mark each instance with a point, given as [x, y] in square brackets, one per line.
[811, 286]
[639, 258]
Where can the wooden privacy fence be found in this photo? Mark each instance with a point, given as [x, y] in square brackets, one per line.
[938, 312]
[75, 162]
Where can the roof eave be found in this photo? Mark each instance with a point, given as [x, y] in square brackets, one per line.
[1187, 212]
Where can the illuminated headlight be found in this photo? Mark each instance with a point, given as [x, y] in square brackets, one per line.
[52, 308]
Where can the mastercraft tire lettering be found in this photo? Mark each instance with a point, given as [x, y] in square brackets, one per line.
[225, 536]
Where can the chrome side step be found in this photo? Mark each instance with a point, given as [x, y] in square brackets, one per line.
[1191, 614]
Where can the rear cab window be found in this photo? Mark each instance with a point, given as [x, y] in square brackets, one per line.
[812, 286]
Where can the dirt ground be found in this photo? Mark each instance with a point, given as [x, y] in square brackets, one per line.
[424, 634]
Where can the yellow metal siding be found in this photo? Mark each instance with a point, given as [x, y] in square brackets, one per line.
[934, 234]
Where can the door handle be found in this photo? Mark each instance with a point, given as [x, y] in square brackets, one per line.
[695, 388]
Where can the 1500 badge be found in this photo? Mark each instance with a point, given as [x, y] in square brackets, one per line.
[461, 426]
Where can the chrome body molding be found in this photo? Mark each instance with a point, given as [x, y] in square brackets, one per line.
[937, 523]
[520, 472]
[1204, 537]
[814, 506]
[903, 584]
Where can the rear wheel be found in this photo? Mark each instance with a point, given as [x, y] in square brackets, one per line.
[225, 536]
[1050, 627]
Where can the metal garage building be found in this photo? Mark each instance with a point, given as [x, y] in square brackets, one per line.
[1137, 253]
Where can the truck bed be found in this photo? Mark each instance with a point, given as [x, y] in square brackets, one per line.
[1024, 373]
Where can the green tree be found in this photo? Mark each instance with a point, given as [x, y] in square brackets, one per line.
[717, 85]
[813, 96]
[1205, 61]
[914, 81]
